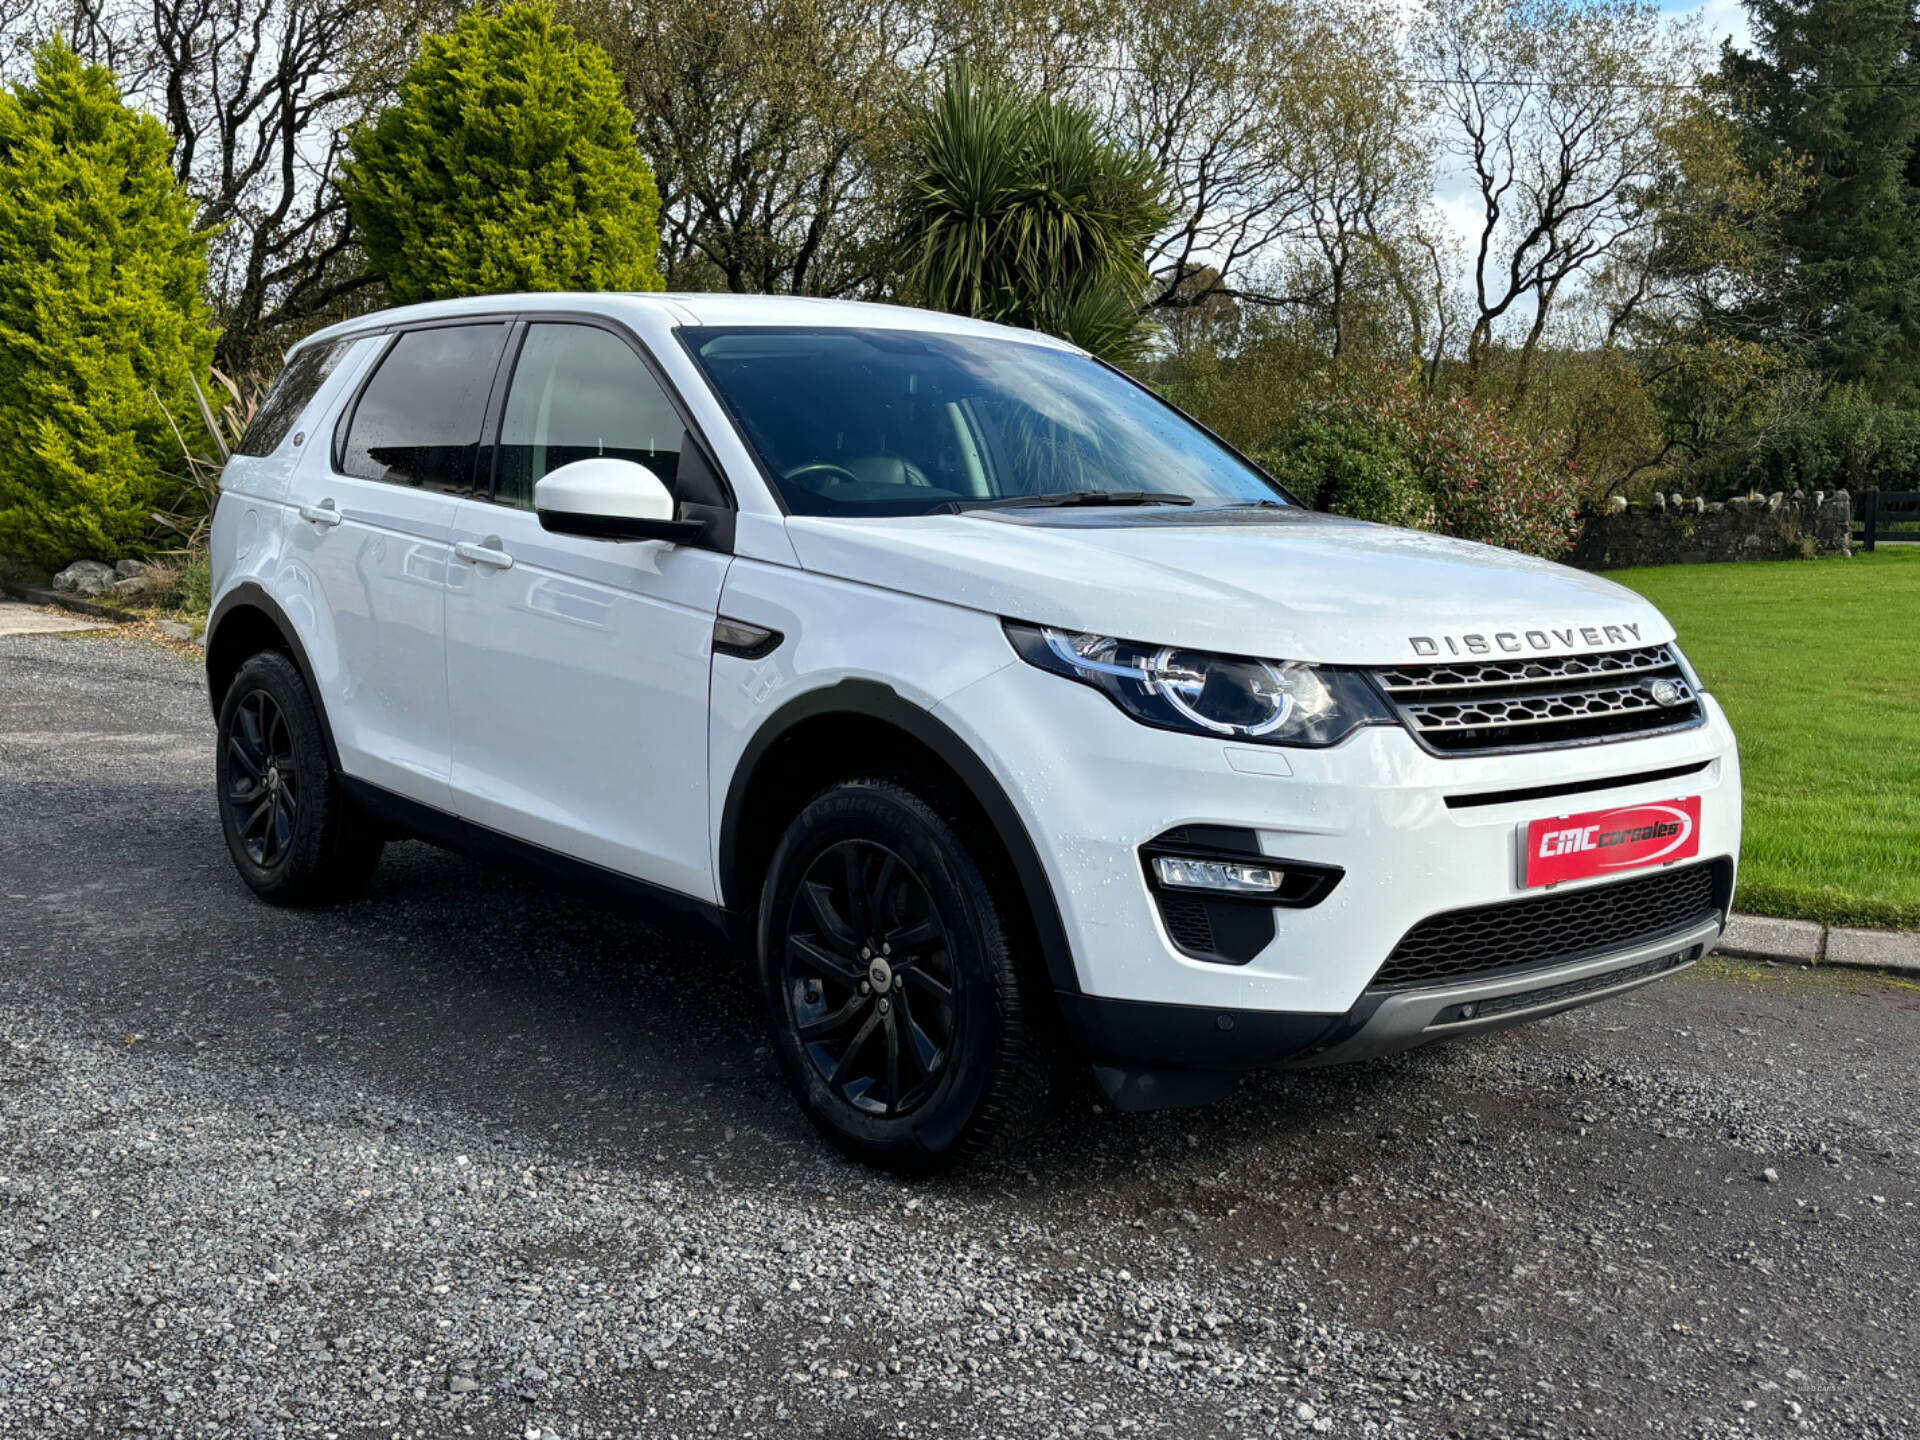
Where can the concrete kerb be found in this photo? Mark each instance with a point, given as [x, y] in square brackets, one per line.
[1805, 942]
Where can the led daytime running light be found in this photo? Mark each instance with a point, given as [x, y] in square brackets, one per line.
[1233, 877]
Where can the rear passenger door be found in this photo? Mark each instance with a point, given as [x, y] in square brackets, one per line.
[374, 530]
[577, 669]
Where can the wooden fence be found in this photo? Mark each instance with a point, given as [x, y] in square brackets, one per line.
[1886, 515]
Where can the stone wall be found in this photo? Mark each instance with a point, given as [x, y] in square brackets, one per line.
[1669, 530]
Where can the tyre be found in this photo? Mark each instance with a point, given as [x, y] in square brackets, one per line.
[897, 1009]
[294, 836]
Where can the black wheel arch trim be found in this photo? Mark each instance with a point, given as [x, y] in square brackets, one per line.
[873, 700]
[250, 595]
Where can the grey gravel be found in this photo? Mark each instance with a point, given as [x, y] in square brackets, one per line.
[471, 1158]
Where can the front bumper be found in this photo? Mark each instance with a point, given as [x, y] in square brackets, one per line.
[1147, 1057]
[1093, 786]
[1400, 1020]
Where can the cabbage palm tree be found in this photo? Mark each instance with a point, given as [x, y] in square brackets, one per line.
[1019, 210]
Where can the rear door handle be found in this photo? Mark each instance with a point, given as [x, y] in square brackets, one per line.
[325, 514]
[484, 552]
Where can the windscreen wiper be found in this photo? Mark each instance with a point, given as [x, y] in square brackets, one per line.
[1060, 499]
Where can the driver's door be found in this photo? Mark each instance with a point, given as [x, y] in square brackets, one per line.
[577, 669]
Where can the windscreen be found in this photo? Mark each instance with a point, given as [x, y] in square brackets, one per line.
[891, 422]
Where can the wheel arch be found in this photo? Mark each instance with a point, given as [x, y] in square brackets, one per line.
[863, 727]
[246, 621]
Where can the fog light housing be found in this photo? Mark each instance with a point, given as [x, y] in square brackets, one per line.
[1222, 877]
[1216, 891]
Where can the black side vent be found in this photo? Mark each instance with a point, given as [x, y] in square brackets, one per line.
[1185, 917]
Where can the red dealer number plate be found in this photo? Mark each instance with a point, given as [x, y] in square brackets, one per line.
[1600, 842]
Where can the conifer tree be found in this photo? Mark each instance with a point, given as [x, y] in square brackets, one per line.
[508, 164]
[1835, 87]
[100, 312]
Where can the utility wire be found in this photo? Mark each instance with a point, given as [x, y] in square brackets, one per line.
[1525, 82]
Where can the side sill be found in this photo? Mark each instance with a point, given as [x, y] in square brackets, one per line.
[579, 877]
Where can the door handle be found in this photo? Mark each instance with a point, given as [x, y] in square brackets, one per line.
[484, 552]
[324, 514]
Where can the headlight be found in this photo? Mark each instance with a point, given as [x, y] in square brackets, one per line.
[1272, 702]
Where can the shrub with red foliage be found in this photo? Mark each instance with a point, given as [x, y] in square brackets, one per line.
[1486, 479]
[1489, 481]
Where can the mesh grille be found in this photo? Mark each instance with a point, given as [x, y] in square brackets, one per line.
[1186, 921]
[1540, 930]
[1457, 675]
[1465, 707]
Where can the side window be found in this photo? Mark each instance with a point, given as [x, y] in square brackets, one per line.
[290, 396]
[578, 392]
[418, 421]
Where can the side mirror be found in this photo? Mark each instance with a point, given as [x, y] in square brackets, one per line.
[607, 499]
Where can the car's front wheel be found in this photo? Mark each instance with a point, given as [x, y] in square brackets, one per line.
[294, 836]
[895, 1000]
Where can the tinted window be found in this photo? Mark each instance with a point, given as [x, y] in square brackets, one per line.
[895, 422]
[418, 421]
[290, 396]
[578, 392]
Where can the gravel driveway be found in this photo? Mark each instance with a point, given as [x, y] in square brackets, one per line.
[472, 1159]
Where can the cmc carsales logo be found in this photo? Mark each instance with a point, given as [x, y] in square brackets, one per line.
[1570, 846]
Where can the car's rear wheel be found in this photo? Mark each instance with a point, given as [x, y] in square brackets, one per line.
[895, 1001]
[294, 836]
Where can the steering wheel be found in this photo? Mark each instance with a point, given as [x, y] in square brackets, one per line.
[827, 474]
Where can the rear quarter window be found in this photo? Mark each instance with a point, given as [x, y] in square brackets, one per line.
[418, 420]
[290, 396]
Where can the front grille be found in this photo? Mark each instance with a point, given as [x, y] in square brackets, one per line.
[1551, 929]
[1472, 707]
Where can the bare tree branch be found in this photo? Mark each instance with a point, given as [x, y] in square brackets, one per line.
[259, 95]
[1556, 112]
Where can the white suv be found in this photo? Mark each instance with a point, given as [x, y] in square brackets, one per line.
[1005, 709]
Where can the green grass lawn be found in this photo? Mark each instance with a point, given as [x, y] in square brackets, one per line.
[1818, 664]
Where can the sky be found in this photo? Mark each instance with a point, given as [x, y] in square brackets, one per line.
[1721, 20]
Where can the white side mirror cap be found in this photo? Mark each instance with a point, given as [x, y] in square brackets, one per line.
[604, 498]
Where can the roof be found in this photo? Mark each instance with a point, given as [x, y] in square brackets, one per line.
[694, 309]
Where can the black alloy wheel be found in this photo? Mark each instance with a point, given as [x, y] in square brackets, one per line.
[870, 979]
[294, 836]
[894, 997]
[263, 780]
